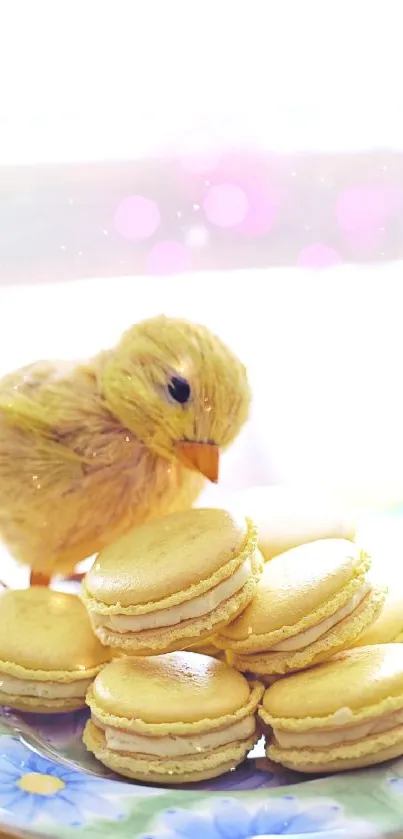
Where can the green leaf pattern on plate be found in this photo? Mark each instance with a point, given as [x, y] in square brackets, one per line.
[42, 795]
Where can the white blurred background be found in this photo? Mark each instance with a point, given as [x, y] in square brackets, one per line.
[96, 79]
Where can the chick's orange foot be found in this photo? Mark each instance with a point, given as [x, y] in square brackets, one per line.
[38, 579]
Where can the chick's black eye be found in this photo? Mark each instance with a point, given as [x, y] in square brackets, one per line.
[179, 390]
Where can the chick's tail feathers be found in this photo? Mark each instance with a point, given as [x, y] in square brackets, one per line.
[39, 467]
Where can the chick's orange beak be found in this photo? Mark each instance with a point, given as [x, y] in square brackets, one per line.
[203, 457]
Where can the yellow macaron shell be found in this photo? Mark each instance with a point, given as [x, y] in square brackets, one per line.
[388, 626]
[180, 691]
[345, 714]
[297, 590]
[175, 718]
[289, 516]
[167, 560]
[206, 648]
[356, 685]
[46, 633]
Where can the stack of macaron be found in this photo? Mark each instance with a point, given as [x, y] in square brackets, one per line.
[161, 714]
[195, 581]
[184, 634]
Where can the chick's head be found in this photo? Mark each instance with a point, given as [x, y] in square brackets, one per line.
[179, 389]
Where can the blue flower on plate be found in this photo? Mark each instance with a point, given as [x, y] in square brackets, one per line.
[395, 785]
[33, 787]
[285, 816]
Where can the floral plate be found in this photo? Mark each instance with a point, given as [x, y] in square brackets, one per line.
[50, 786]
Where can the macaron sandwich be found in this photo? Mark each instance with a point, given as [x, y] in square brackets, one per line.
[175, 718]
[289, 516]
[311, 602]
[344, 714]
[48, 652]
[388, 626]
[174, 582]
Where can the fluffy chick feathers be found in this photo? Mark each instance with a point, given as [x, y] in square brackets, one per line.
[88, 450]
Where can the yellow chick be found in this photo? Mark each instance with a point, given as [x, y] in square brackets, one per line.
[87, 451]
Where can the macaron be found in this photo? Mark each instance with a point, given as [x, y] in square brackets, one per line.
[388, 626]
[311, 602]
[48, 652]
[344, 714]
[175, 718]
[173, 582]
[289, 516]
[207, 648]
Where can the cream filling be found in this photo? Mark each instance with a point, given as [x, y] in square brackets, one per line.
[196, 608]
[309, 636]
[44, 690]
[173, 745]
[317, 739]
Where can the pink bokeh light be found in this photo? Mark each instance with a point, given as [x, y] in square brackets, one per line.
[262, 209]
[362, 212]
[318, 255]
[137, 217]
[168, 257]
[264, 189]
[225, 205]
